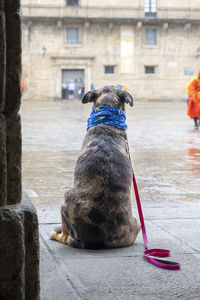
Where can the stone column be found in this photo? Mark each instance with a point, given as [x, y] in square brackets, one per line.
[19, 241]
[2, 59]
[3, 171]
[13, 148]
[13, 99]
[3, 174]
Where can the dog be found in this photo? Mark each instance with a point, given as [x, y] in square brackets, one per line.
[96, 213]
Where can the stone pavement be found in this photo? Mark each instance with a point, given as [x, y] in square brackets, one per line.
[69, 273]
[165, 152]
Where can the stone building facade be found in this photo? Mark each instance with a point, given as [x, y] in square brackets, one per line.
[151, 46]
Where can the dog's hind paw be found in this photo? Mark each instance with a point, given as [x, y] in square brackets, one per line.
[60, 237]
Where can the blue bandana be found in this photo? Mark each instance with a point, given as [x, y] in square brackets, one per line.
[107, 115]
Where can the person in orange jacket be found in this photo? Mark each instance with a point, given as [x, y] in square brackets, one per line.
[193, 90]
[21, 86]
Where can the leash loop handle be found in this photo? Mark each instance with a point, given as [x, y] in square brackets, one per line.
[148, 253]
[164, 264]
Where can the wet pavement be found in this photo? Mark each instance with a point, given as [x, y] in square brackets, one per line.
[165, 151]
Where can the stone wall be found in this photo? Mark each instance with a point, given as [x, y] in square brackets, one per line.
[168, 4]
[175, 55]
[19, 254]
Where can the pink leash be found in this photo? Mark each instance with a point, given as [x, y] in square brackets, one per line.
[148, 253]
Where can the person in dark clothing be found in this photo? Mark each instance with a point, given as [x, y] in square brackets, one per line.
[64, 89]
[81, 91]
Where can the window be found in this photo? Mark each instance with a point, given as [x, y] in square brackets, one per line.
[150, 8]
[72, 2]
[72, 36]
[151, 37]
[109, 69]
[149, 69]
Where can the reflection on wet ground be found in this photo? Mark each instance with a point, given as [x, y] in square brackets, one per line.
[165, 150]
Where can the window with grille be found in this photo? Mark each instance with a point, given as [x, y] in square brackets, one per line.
[109, 69]
[72, 35]
[149, 69]
[150, 8]
[150, 37]
[72, 3]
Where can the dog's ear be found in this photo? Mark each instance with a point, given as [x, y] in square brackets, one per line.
[90, 96]
[125, 97]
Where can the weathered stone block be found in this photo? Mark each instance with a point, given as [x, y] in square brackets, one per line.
[3, 175]
[12, 5]
[19, 278]
[13, 62]
[13, 149]
[32, 284]
[12, 252]
[2, 59]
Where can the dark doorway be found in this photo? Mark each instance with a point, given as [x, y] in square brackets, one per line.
[72, 81]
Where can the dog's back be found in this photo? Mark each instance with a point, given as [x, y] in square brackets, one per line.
[103, 174]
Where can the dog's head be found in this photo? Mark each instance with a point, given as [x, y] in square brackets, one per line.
[108, 96]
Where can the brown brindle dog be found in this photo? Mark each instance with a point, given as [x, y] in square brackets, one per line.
[97, 212]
